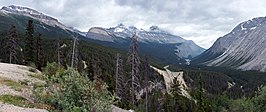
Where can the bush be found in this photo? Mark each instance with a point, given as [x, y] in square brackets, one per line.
[245, 104]
[260, 100]
[67, 90]
[51, 69]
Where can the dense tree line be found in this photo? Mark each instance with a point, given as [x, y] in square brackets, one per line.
[128, 74]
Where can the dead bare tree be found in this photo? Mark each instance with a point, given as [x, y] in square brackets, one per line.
[58, 51]
[74, 54]
[12, 43]
[146, 75]
[119, 77]
[134, 62]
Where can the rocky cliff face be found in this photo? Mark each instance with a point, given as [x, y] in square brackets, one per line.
[243, 48]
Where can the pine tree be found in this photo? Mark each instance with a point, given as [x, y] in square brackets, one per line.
[175, 87]
[12, 45]
[201, 102]
[29, 43]
[39, 53]
[134, 62]
[176, 91]
[90, 70]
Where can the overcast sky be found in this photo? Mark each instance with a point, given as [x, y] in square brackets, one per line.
[202, 21]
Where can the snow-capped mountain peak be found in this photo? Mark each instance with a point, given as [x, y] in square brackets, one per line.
[156, 29]
[120, 28]
[154, 35]
[251, 24]
[242, 48]
[26, 11]
[121, 25]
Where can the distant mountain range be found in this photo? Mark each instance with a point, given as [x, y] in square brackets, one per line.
[243, 48]
[154, 36]
[157, 43]
[46, 25]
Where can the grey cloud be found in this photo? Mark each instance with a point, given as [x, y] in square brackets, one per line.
[202, 21]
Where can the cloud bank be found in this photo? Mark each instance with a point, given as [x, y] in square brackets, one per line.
[201, 21]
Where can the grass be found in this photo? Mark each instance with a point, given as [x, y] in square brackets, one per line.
[12, 84]
[38, 76]
[22, 102]
[16, 100]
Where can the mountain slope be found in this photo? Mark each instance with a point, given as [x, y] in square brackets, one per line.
[243, 48]
[155, 41]
[165, 47]
[46, 25]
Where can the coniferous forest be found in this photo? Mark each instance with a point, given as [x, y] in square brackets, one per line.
[82, 76]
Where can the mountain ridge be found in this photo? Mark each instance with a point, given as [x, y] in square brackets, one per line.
[155, 41]
[242, 48]
[122, 33]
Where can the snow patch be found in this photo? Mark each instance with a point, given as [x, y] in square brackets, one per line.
[119, 30]
[242, 28]
[253, 28]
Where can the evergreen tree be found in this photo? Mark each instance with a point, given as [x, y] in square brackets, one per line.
[90, 70]
[39, 53]
[134, 62]
[201, 102]
[175, 87]
[29, 43]
[176, 91]
[12, 45]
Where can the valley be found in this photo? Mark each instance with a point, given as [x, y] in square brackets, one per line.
[124, 68]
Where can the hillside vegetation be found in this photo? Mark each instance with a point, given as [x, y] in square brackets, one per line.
[83, 76]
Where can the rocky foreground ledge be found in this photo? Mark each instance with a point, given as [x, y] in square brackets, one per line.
[16, 84]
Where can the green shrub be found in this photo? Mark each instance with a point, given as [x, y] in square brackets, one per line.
[51, 69]
[245, 104]
[260, 100]
[67, 90]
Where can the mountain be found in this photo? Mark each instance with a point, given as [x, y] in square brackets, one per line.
[165, 47]
[150, 41]
[12, 9]
[243, 48]
[46, 25]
